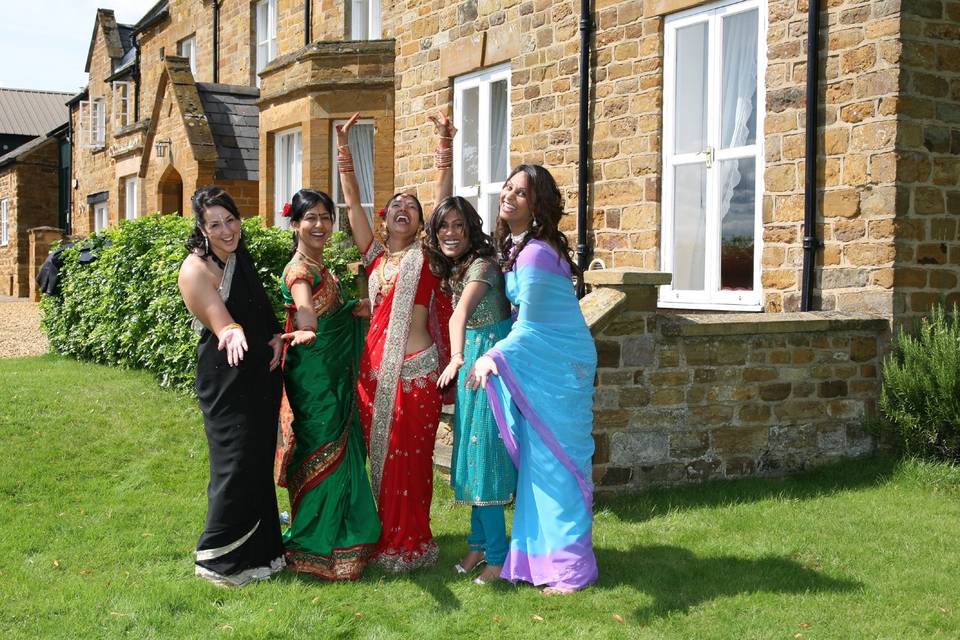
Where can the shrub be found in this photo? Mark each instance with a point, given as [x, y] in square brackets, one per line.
[124, 309]
[920, 395]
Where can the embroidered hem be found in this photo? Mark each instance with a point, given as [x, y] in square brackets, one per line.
[317, 466]
[402, 560]
[342, 564]
[483, 503]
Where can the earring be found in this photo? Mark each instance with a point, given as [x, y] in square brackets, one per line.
[535, 223]
[206, 244]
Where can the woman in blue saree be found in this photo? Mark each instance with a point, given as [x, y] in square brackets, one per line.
[539, 382]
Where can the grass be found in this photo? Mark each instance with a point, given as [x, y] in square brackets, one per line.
[102, 497]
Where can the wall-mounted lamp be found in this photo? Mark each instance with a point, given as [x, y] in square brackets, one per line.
[162, 147]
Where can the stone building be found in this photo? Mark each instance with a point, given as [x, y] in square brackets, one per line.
[34, 177]
[700, 213]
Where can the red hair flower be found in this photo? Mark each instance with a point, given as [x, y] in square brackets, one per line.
[382, 213]
[287, 209]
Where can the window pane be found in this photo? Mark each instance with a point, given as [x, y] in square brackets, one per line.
[359, 20]
[689, 226]
[469, 129]
[691, 92]
[739, 99]
[499, 144]
[737, 222]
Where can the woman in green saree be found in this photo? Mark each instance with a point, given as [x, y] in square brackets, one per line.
[321, 456]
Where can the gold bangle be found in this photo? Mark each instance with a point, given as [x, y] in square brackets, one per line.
[232, 325]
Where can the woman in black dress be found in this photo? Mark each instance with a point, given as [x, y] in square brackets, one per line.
[239, 388]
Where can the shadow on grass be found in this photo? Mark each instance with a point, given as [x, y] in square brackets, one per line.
[677, 579]
[847, 475]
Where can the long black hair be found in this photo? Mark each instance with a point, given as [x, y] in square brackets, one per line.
[303, 201]
[203, 199]
[481, 244]
[546, 206]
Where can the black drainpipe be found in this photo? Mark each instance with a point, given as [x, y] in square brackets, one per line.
[216, 41]
[306, 22]
[136, 78]
[582, 248]
[810, 241]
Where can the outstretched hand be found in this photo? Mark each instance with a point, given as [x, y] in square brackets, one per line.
[276, 345]
[362, 308]
[343, 130]
[443, 126]
[301, 336]
[234, 342]
[484, 367]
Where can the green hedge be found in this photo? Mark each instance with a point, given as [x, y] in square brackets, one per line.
[124, 309]
[920, 396]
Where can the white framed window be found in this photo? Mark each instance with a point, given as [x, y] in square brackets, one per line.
[93, 118]
[361, 148]
[187, 48]
[4, 222]
[481, 151]
[266, 34]
[131, 209]
[100, 216]
[713, 156]
[287, 171]
[122, 111]
[365, 20]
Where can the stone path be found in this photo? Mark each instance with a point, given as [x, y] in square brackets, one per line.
[20, 333]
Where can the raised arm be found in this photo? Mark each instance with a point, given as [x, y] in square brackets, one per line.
[444, 155]
[359, 223]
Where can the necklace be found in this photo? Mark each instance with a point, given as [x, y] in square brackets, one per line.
[517, 238]
[390, 268]
[311, 261]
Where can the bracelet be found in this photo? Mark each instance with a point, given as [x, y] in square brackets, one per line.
[232, 325]
[310, 329]
[454, 355]
[341, 147]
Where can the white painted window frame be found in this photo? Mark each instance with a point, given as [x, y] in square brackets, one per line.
[131, 201]
[335, 182]
[187, 48]
[365, 23]
[122, 113]
[485, 187]
[4, 222]
[265, 40]
[101, 217]
[712, 297]
[92, 117]
[287, 178]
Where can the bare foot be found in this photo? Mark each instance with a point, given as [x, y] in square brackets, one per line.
[558, 591]
[469, 561]
[490, 574]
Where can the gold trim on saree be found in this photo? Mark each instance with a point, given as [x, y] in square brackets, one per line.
[211, 554]
[401, 560]
[392, 359]
[342, 564]
[421, 369]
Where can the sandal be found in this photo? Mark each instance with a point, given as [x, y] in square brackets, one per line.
[462, 567]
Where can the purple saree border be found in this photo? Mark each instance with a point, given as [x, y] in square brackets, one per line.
[541, 256]
[510, 380]
[509, 441]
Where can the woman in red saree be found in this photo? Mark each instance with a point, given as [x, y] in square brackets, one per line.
[405, 350]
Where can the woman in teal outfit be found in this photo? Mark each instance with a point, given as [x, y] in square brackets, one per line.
[481, 472]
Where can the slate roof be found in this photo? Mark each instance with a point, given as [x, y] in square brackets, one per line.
[234, 120]
[156, 13]
[32, 113]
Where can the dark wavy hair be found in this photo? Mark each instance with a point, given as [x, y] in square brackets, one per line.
[203, 199]
[481, 245]
[303, 201]
[546, 205]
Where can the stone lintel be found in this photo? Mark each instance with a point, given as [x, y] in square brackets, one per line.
[462, 56]
[600, 306]
[746, 324]
[332, 49]
[319, 86]
[663, 7]
[626, 277]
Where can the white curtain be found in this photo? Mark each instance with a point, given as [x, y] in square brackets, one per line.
[498, 131]
[739, 89]
[361, 147]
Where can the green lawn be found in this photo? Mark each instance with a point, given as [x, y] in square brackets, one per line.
[102, 485]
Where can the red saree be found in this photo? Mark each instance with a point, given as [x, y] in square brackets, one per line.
[400, 406]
